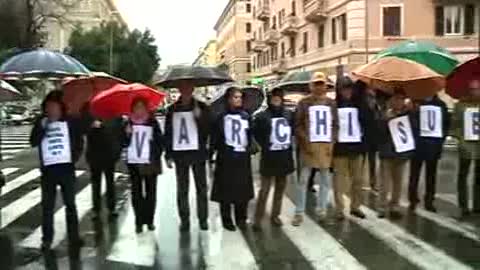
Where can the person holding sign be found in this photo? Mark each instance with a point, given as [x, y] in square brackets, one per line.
[60, 145]
[144, 141]
[396, 147]
[315, 130]
[273, 131]
[350, 149]
[466, 128]
[432, 114]
[232, 142]
[187, 129]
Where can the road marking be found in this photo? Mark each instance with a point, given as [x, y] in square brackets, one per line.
[20, 181]
[450, 198]
[84, 202]
[21, 206]
[8, 171]
[14, 146]
[11, 151]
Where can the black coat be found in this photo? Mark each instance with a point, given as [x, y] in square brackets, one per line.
[233, 181]
[273, 163]
[372, 116]
[386, 147]
[204, 125]
[103, 144]
[431, 148]
[349, 149]
[76, 141]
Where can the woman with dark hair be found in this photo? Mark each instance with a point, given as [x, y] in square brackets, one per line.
[60, 144]
[232, 142]
[144, 141]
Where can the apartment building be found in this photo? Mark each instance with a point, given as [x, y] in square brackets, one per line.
[294, 35]
[87, 14]
[233, 35]
[207, 56]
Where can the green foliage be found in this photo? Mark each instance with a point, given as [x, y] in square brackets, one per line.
[135, 56]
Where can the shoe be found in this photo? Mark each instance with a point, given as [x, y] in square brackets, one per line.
[46, 246]
[277, 221]
[381, 214]
[465, 213]
[204, 226]
[339, 216]
[151, 227]
[358, 213]
[242, 225]
[321, 214]
[139, 229]
[395, 214]
[229, 227]
[412, 207]
[297, 220]
[185, 227]
[430, 208]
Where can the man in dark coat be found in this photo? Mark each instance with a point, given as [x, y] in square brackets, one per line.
[187, 129]
[273, 131]
[430, 136]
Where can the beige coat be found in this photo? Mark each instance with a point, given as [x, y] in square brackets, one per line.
[314, 155]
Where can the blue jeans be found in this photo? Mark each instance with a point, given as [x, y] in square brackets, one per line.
[322, 177]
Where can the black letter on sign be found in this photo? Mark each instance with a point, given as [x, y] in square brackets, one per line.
[321, 122]
[139, 142]
[281, 122]
[183, 132]
[236, 128]
[431, 120]
[403, 133]
[350, 128]
[476, 123]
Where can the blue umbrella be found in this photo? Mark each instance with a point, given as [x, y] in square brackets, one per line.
[41, 63]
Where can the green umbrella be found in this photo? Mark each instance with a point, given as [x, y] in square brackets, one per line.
[297, 81]
[427, 53]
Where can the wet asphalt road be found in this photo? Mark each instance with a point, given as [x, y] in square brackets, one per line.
[421, 241]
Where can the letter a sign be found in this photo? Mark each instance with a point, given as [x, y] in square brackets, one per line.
[349, 126]
[320, 121]
[235, 131]
[431, 124]
[280, 136]
[471, 126]
[402, 135]
[185, 133]
[139, 148]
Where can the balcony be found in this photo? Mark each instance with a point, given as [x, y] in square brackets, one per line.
[280, 67]
[272, 37]
[263, 11]
[259, 45]
[290, 26]
[315, 11]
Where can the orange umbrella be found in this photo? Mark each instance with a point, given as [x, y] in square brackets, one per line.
[389, 73]
[78, 91]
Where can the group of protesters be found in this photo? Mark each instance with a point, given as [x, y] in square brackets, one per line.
[339, 139]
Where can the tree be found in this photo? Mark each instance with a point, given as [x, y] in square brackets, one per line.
[135, 56]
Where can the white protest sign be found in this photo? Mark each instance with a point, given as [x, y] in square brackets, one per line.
[139, 149]
[56, 147]
[280, 135]
[185, 133]
[471, 127]
[235, 131]
[402, 135]
[431, 122]
[320, 123]
[349, 126]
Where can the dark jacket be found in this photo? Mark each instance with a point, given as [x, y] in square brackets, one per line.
[431, 148]
[204, 123]
[372, 116]
[348, 149]
[76, 141]
[386, 146]
[233, 181]
[156, 147]
[273, 163]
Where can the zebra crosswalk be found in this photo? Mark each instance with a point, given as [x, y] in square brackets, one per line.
[13, 141]
[423, 241]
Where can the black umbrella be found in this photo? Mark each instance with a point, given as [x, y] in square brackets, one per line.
[297, 82]
[252, 99]
[196, 75]
[41, 63]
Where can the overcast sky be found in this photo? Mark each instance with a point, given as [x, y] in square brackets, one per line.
[181, 27]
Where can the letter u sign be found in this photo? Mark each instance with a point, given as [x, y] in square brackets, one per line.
[431, 122]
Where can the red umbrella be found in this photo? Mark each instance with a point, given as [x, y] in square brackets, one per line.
[461, 76]
[117, 101]
[78, 91]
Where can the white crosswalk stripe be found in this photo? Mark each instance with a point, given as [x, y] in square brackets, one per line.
[14, 141]
[220, 249]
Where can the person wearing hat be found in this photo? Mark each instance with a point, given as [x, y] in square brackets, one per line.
[315, 130]
[60, 144]
[272, 129]
[350, 148]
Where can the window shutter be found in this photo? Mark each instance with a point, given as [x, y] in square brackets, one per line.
[469, 19]
[334, 32]
[439, 21]
[344, 26]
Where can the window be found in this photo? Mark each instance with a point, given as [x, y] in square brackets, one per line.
[339, 28]
[305, 42]
[249, 67]
[249, 8]
[334, 31]
[293, 48]
[343, 22]
[249, 27]
[392, 20]
[274, 53]
[249, 46]
[254, 62]
[282, 50]
[455, 20]
[274, 22]
[265, 26]
[294, 9]
[321, 36]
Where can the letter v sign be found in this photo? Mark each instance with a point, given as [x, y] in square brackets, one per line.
[139, 142]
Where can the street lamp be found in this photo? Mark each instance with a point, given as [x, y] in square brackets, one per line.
[110, 57]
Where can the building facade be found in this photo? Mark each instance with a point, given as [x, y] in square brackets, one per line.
[85, 13]
[233, 30]
[207, 56]
[294, 35]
